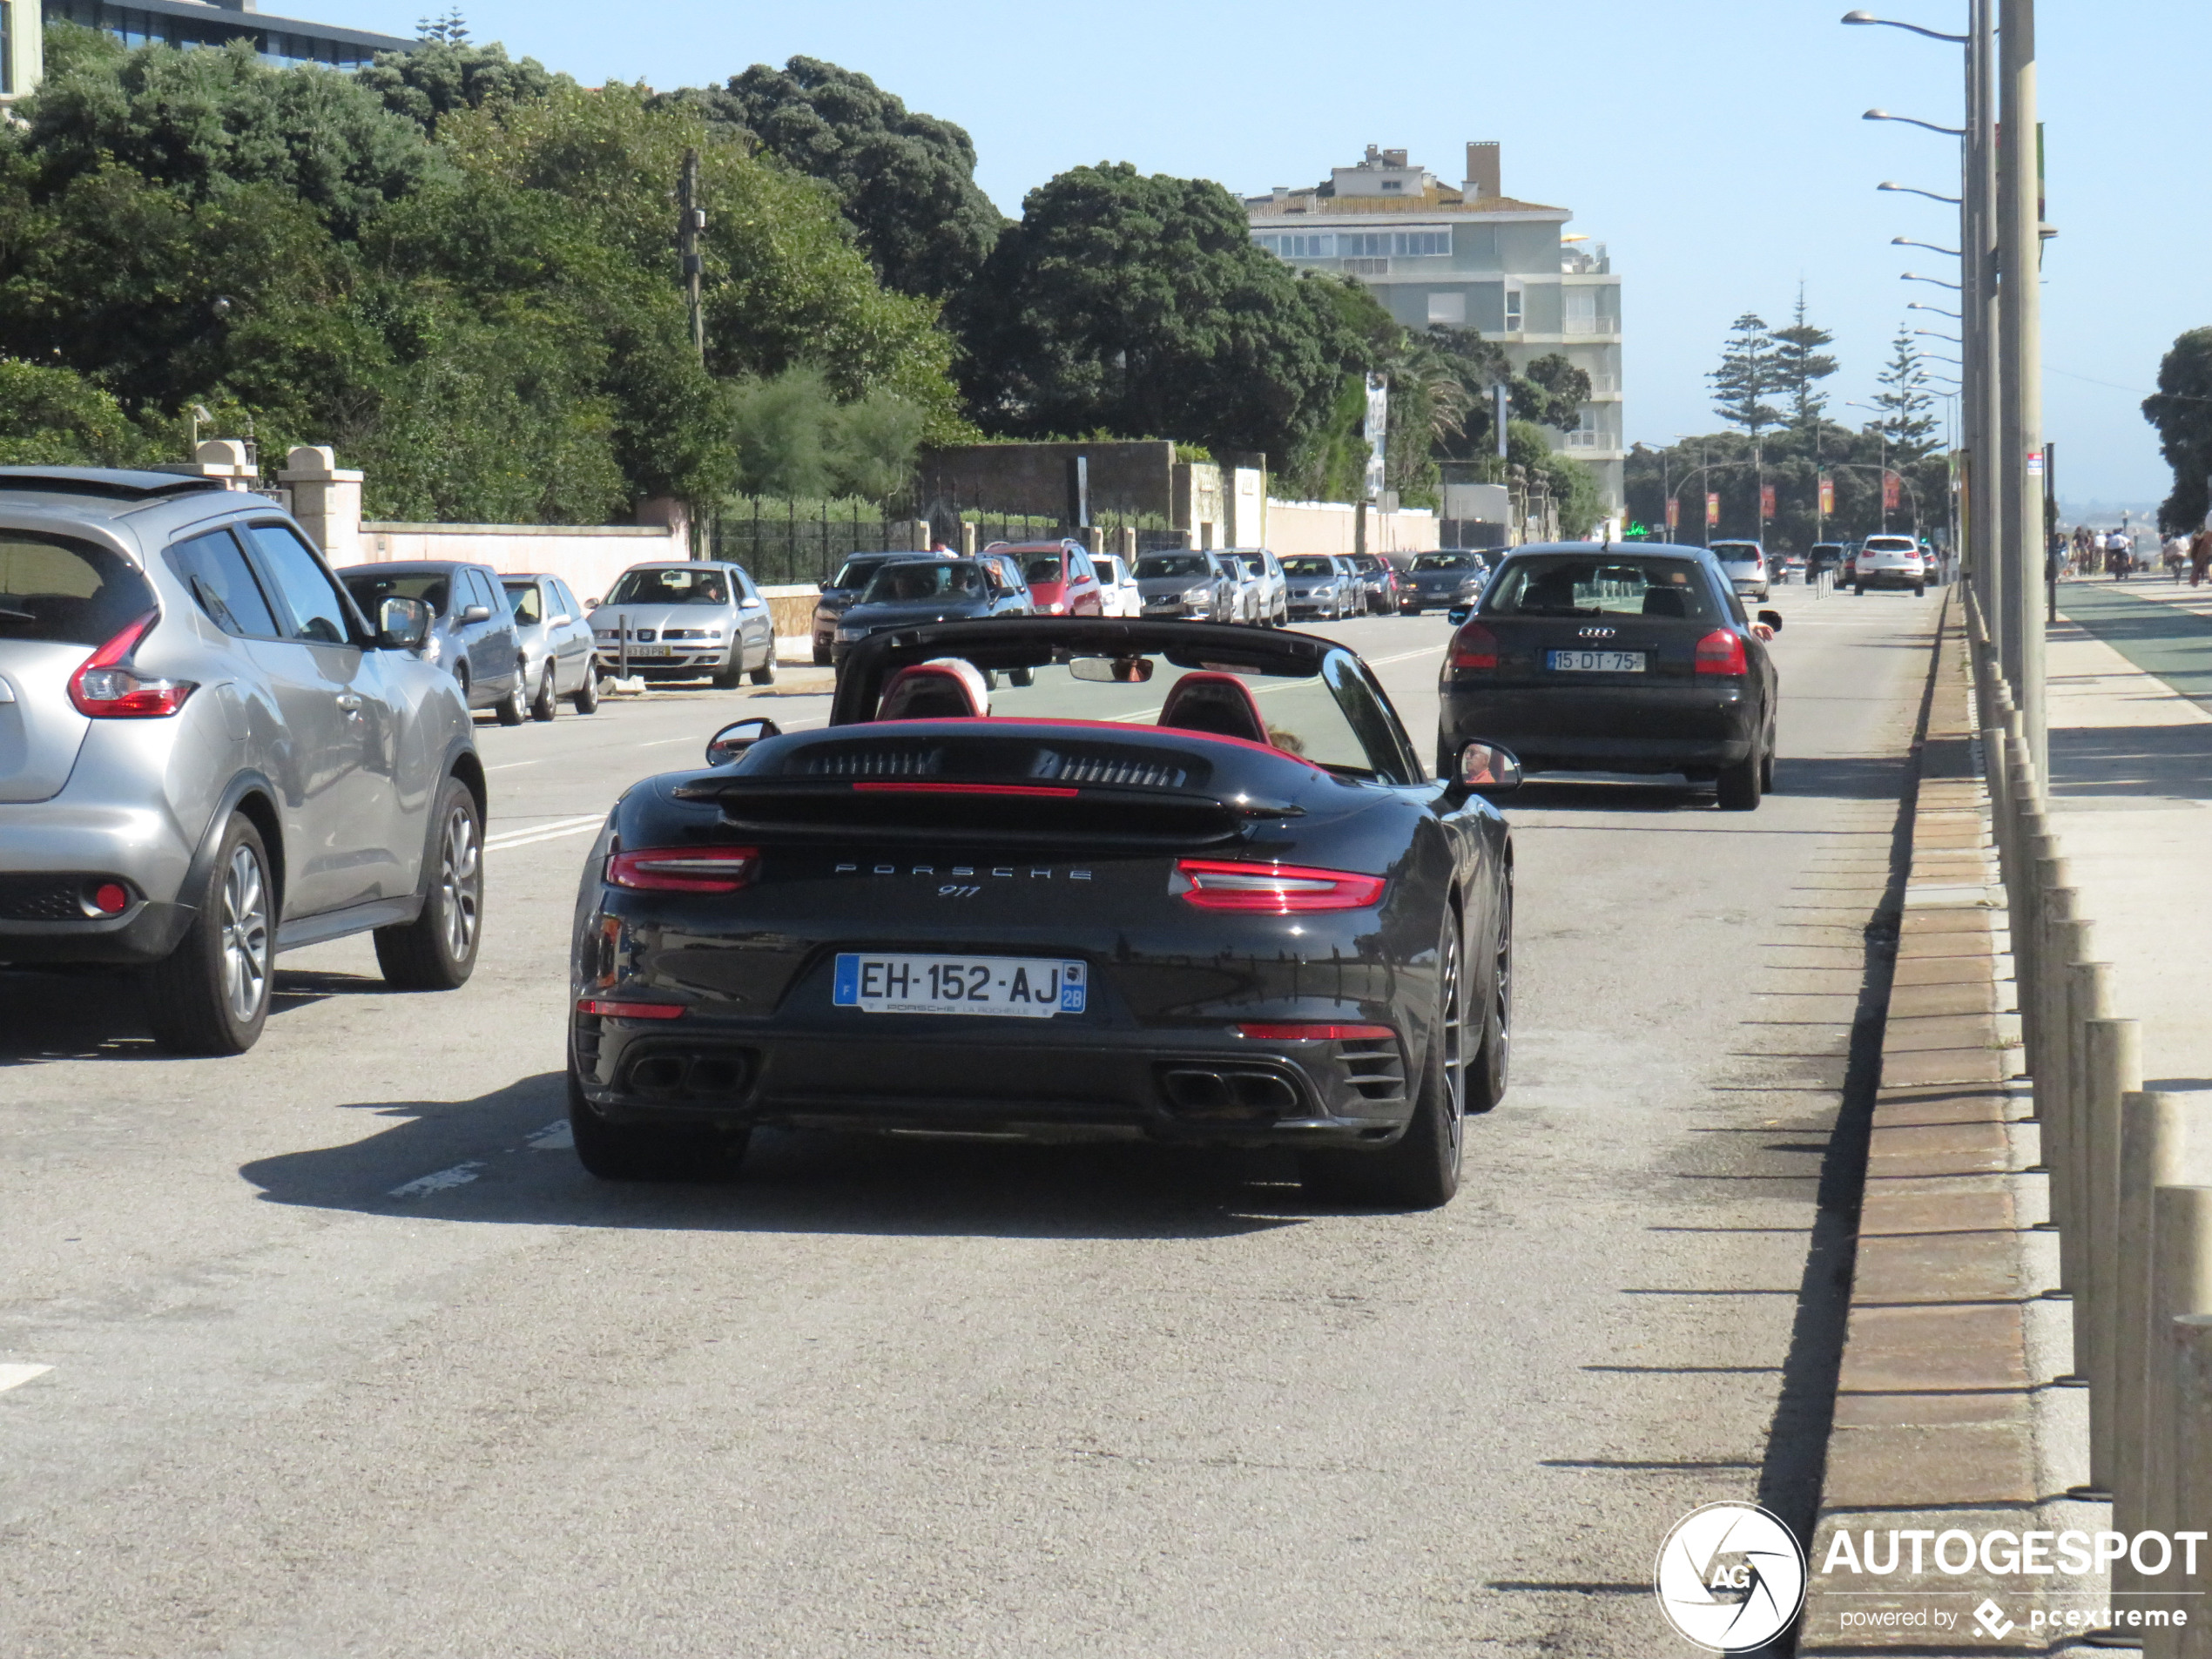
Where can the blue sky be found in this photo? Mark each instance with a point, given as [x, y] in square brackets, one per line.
[1715, 145]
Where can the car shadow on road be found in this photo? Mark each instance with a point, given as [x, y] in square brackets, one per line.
[96, 1013]
[502, 1158]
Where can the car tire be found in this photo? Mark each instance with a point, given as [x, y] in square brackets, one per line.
[1490, 1071]
[1766, 769]
[1737, 788]
[821, 657]
[650, 1152]
[766, 674]
[547, 702]
[460, 680]
[437, 950]
[1020, 676]
[1859, 590]
[587, 695]
[514, 708]
[1421, 1169]
[728, 679]
[210, 995]
[1919, 590]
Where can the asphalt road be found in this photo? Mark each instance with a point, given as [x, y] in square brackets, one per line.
[346, 1355]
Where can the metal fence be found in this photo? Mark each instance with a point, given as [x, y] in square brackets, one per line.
[793, 542]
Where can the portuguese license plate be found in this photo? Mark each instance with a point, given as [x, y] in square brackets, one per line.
[1598, 662]
[1024, 987]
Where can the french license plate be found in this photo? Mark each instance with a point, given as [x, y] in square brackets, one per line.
[1598, 662]
[1021, 986]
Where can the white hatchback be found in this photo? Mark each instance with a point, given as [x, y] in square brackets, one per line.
[1891, 561]
[1117, 590]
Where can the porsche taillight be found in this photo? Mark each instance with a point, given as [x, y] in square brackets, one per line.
[105, 687]
[1474, 647]
[1721, 653]
[684, 869]
[1273, 889]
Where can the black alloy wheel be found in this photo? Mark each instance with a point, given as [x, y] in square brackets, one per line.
[1421, 1169]
[437, 950]
[615, 1151]
[210, 995]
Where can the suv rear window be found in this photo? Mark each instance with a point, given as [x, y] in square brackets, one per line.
[61, 591]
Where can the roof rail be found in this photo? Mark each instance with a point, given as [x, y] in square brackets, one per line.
[107, 483]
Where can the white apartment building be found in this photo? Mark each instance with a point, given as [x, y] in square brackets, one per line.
[1470, 257]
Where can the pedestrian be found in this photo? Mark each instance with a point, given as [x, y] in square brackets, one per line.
[2200, 557]
[2117, 556]
[2173, 552]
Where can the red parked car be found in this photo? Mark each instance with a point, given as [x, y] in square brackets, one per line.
[1062, 580]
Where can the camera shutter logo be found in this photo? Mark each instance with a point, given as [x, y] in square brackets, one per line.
[1731, 1577]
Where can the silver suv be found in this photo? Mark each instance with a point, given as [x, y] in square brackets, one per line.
[208, 757]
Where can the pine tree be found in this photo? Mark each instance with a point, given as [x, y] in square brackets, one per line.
[1905, 401]
[1746, 378]
[1799, 365]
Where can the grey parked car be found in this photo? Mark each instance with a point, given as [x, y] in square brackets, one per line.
[472, 626]
[208, 757]
[555, 639]
[1323, 587]
[1187, 584]
[701, 619]
[1449, 577]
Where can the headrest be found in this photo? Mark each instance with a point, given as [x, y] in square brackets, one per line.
[945, 688]
[1665, 601]
[1220, 705]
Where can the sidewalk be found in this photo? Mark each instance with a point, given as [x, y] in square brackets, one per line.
[2130, 680]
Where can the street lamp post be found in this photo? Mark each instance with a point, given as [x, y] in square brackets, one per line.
[2020, 311]
[1882, 433]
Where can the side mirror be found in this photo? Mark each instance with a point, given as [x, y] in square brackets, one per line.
[822, 586]
[1458, 614]
[591, 604]
[1772, 618]
[402, 624]
[476, 613]
[1486, 769]
[561, 621]
[736, 738]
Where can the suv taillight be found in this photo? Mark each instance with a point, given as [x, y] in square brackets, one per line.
[1474, 646]
[104, 686]
[1721, 653]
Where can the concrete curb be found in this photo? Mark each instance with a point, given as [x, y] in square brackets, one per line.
[1946, 1414]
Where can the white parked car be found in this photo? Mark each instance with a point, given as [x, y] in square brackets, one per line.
[1891, 561]
[1117, 590]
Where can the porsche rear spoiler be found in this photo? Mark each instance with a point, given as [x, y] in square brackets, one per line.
[943, 811]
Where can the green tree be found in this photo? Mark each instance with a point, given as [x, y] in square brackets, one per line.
[1800, 366]
[2181, 411]
[1141, 305]
[1907, 408]
[443, 74]
[1787, 461]
[1747, 378]
[55, 417]
[906, 180]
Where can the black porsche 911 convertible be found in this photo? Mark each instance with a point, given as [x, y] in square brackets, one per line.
[1192, 884]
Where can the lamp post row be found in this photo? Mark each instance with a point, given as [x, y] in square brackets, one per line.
[2001, 231]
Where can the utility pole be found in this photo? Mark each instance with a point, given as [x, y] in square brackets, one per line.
[1983, 375]
[691, 220]
[2020, 325]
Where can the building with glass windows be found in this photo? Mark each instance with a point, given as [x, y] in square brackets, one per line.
[1470, 257]
[179, 23]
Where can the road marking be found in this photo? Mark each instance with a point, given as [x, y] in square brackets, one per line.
[509, 766]
[554, 1137]
[15, 1375]
[1407, 656]
[542, 832]
[460, 1176]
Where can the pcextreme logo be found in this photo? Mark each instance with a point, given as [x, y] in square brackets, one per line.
[1731, 1577]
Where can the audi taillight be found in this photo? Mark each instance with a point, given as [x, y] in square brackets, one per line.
[1273, 889]
[1474, 646]
[1721, 653]
[105, 687]
[684, 869]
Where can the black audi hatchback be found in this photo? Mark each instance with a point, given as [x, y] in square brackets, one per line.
[1636, 658]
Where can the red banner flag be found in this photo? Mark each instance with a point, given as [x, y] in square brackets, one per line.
[1891, 490]
[1712, 509]
[1827, 496]
[1674, 512]
[1766, 501]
